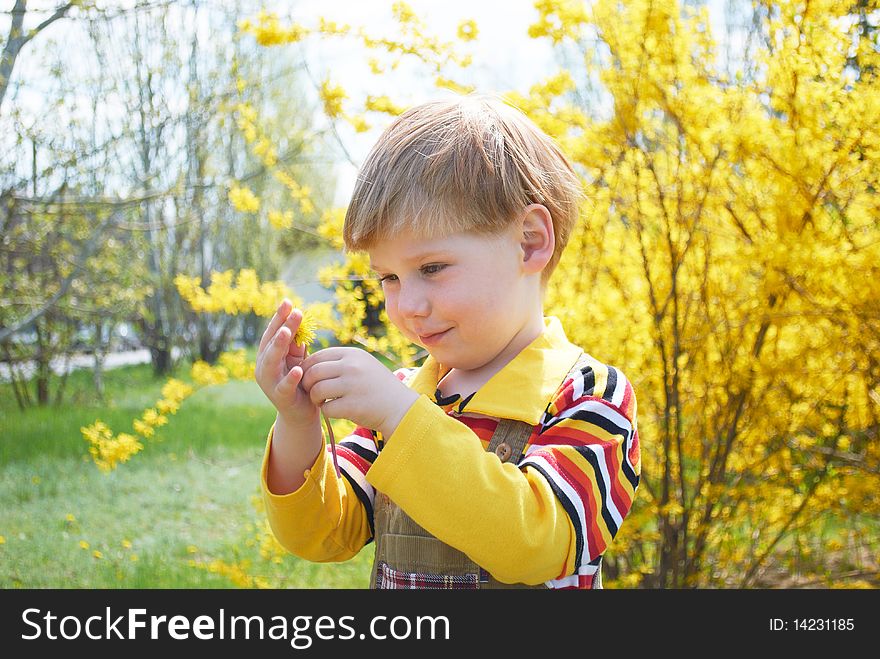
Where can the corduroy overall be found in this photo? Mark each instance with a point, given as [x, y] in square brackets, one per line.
[407, 556]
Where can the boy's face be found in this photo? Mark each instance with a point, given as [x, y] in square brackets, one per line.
[464, 297]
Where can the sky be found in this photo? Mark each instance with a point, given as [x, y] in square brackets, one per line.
[504, 58]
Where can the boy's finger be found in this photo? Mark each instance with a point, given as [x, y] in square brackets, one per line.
[296, 354]
[278, 346]
[326, 390]
[320, 371]
[326, 355]
[294, 320]
[288, 384]
[281, 315]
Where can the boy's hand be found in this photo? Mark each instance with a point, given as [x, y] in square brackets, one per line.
[349, 383]
[279, 368]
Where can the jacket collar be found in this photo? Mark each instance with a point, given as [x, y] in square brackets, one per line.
[524, 387]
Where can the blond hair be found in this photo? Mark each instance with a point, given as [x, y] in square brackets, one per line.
[471, 163]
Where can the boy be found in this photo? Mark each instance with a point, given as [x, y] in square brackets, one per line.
[510, 457]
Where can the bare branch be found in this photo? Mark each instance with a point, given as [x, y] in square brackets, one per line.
[18, 38]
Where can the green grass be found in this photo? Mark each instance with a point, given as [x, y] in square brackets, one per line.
[187, 498]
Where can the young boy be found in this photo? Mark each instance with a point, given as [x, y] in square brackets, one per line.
[510, 457]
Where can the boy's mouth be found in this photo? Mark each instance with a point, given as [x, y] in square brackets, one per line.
[431, 339]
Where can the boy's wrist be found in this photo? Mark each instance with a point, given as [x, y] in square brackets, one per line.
[298, 425]
[401, 405]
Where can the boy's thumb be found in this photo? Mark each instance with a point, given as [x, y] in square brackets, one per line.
[291, 380]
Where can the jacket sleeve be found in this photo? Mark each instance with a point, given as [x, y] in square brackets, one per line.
[327, 518]
[546, 520]
[588, 451]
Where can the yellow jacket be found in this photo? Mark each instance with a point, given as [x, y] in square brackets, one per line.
[545, 518]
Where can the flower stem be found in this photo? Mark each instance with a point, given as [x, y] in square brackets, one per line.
[332, 443]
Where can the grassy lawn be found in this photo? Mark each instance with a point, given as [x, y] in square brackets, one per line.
[183, 513]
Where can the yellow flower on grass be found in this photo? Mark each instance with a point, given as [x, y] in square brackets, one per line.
[2, 540]
[126, 544]
[97, 554]
[153, 418]
[70, 518]
[167, 406]
[191, 549]
[203, 373]
[143, 429]
[83, 544]
[237, 365]
[176, 390]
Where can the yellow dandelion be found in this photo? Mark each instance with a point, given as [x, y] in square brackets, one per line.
[97, 554]
[133, 558]
[70, 518]
[126, 544]
[2, 540]
[83, 544]
[191, 549]
[306, 333]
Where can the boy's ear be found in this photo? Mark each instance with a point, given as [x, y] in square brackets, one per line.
[537, 238]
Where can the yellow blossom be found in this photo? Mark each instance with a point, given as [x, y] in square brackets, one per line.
[243, 199]
[268, 30]
[383, 104]
[143, 429]
[153, 418]
[359, 123]
[332, 97]
[205, 374]
[447, 83]
[280, 220]
[467, 30]
[306, 332]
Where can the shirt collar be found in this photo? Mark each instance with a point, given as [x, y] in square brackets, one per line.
[525, 386]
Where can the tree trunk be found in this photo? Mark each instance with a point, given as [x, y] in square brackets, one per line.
[100, 357]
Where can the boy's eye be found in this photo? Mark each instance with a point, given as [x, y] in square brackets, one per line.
[432, 268]
[385, 278]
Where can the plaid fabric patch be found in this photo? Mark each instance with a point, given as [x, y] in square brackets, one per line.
[387, 577]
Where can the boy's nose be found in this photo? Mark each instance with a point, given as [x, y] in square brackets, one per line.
[412, 302]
